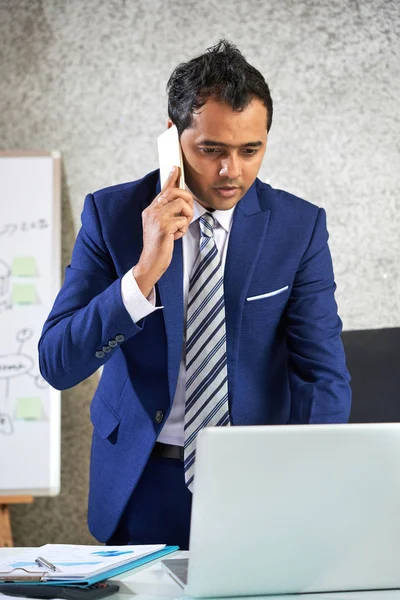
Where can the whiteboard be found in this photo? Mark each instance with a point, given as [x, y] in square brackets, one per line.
[30, 277]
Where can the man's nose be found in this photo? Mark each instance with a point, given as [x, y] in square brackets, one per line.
[231, 167]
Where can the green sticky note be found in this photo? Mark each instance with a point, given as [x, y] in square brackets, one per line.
[24, 293]
[24, 266]
[28, 409]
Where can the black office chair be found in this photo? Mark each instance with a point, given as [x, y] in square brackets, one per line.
[373, 359]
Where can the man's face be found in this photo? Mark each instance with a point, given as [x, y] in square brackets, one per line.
[223, 151]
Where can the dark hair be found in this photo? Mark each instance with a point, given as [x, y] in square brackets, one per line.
[221, 72]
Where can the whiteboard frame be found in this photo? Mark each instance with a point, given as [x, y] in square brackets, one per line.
[55, 395]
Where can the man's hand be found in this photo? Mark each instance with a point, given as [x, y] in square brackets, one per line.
[164, 221]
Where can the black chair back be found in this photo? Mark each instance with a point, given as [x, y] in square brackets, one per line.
[373, 359]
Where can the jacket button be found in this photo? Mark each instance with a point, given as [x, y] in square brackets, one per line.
[99, 354]
[159, 416]
[112, 343]
[120, 338]
[106, 349]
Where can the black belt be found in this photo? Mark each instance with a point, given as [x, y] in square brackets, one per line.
[167, 451]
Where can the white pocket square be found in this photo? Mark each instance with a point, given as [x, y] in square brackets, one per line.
[268, 295]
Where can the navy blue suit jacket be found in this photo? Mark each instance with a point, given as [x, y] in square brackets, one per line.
[285, 357]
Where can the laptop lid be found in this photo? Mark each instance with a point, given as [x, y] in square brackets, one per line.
[290, 509]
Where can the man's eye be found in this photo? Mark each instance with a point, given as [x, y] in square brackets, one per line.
[210, 150]
[249, 151]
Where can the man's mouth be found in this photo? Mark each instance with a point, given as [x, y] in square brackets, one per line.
[227, 190]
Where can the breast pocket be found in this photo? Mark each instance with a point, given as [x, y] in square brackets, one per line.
[268, 300]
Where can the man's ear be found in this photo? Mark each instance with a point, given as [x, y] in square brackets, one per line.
[169, 123]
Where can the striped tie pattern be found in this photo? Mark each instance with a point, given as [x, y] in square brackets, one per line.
[206, 371]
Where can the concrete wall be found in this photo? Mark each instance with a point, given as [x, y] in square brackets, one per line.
[88, 78]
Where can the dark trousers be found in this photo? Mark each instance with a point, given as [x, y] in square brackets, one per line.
[158, 511]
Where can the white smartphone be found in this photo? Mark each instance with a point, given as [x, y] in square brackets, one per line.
[170, 155]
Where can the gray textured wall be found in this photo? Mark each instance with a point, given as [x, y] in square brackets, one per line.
[88, 78]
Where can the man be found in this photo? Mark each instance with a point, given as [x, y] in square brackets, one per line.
[212, 305]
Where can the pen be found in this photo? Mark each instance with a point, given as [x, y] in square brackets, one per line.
[42, 562]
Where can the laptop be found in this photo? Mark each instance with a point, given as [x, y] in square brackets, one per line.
[294, 509]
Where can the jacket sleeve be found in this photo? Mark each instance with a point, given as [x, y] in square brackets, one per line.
[88, 312]
[318, 377]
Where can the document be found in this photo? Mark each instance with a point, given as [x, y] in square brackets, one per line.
[73, 563]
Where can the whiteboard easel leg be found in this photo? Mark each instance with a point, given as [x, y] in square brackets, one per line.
[6, 540]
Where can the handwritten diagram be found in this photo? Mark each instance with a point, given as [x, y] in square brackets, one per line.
[18, 283]
[13, 366]
[5, 274]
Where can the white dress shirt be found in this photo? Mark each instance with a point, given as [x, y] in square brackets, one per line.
[138, 307]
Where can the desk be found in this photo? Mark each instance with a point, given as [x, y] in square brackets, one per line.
[152, 582]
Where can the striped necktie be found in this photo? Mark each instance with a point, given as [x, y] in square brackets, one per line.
[206, 371]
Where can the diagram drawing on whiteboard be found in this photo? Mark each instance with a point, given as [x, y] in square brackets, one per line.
[17, 286]
[12, 366]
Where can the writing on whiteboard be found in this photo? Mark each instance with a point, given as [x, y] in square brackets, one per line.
[19, 291]
[11, 228]
[16, 365]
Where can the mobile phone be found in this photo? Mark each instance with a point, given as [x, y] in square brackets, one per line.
[170, 155]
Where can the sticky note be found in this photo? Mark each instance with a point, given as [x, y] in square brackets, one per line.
[28, 409]
[24, 266]
[24, 293]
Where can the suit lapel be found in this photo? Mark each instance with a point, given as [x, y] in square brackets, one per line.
[245, 242]
[170, 288]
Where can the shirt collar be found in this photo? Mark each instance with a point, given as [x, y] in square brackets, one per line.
[223, 217]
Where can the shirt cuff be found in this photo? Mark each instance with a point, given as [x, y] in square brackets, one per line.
[135, 303]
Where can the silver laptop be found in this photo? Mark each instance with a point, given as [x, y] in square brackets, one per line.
[294, 509]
